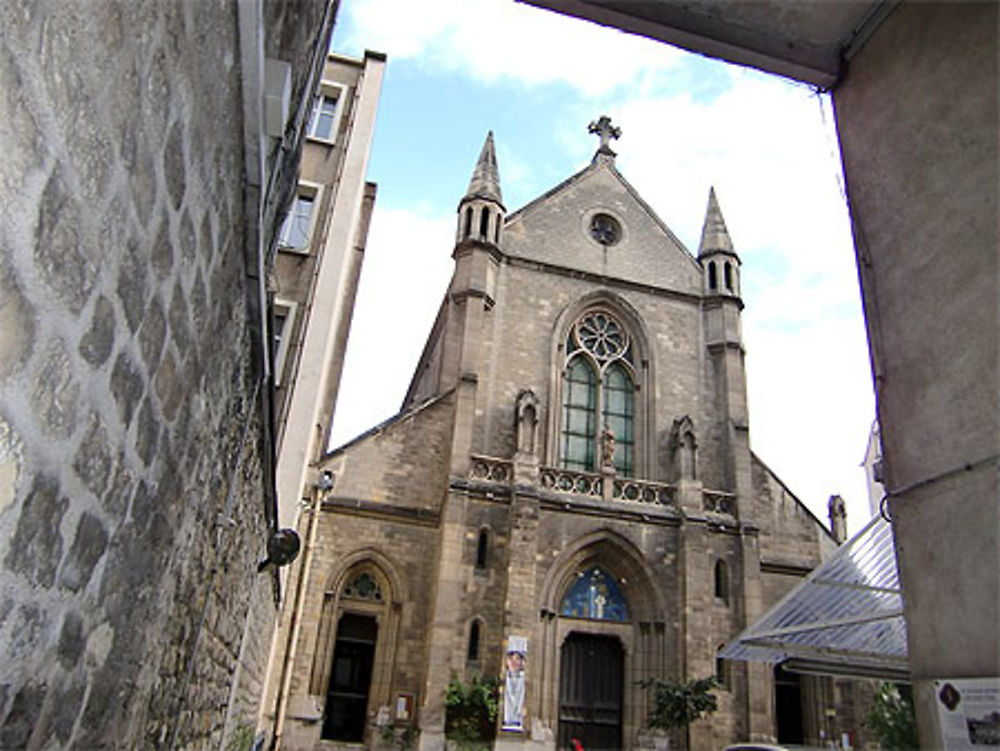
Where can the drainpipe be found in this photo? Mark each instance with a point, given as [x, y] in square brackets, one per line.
[294, 626]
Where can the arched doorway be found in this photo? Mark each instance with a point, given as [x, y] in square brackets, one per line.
[591, 676]
[600, 597]
[350, 678]
[592, 664]
[355, 647]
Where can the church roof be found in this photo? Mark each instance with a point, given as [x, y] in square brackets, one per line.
[595, 165]
[714, 235]
[485, 182]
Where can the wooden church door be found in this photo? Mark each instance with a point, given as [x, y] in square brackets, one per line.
[350, 677]
[590, 692]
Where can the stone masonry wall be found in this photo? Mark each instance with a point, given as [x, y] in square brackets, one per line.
[129, 415]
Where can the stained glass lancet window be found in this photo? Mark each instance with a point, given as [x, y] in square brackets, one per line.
[619, 395]
[595, 595]
[598, 393]
[579, 430]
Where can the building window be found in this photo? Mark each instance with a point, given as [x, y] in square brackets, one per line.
[727, 274]
[326, 112]
[298, 226]
[468, 222]
[284, 319]
[484, 223]
[598, 394]
[712, 281]
[578, 432]
[595, 594]
[324, 116]
[605, 229]
[482, 549]
[722, 672]
[721, 581]
[472, 653]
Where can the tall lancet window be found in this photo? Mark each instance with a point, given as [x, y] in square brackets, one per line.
[598, 395]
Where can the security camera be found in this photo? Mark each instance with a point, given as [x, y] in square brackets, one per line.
[325, 481]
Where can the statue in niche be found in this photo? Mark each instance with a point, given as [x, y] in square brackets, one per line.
[526, 422]
[684, 449]
[607, 447]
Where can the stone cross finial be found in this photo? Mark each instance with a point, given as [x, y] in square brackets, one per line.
[605, 131]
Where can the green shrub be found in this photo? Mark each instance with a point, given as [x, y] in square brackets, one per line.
[471, 712]
[676, 704]
[891, 718]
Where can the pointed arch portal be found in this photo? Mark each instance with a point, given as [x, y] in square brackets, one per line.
[591, 678]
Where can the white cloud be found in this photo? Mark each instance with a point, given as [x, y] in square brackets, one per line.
[403, 280]
[490, 40]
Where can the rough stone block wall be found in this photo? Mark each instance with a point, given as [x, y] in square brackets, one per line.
[522, 350]
[789, 533]
[128, 418]
[405, 462]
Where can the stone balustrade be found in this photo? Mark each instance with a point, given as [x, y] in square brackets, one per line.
[719, 502]
[490, 469]
[568, 481]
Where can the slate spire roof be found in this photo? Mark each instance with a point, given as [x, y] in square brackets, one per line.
[714, 235]
[485, 182]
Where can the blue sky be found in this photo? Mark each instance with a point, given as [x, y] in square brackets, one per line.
[459, 68]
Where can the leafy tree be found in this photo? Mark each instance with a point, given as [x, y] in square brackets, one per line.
[677, 703]
[471, 712]
[891, 718]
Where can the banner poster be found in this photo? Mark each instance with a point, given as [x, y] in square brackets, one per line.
[969, 712]
[513, 691]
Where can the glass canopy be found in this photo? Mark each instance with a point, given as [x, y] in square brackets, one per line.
[845, 618]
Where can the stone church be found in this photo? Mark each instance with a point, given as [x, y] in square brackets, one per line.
[567, 499]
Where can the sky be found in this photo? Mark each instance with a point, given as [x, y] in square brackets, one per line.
[460, 68]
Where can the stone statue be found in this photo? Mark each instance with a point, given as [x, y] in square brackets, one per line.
[607, 447]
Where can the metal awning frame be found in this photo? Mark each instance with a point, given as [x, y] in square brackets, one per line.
[844, 618]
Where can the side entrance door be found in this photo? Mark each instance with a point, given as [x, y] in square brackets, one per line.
[590, 692]
[350, 677]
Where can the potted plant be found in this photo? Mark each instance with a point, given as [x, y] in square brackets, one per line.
[676, 703]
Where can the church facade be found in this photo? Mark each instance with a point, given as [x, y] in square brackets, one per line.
[567, 499]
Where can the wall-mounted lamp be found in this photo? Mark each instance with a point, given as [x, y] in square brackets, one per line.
[282, 548]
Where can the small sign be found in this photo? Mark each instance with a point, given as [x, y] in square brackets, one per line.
[404, 707]
[968, 712]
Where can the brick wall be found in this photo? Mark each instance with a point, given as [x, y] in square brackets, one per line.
[129, 415]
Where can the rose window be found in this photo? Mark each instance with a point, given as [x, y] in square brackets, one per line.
[601, 335]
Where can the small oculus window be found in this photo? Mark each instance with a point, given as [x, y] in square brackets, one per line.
[605, 229]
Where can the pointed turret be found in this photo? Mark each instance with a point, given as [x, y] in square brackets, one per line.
[485, 182]
[719, 260]
[481, 210]
[714, 235]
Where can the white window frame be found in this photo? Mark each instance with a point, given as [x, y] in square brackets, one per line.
[314, 191]
[327, 89]
[289, 308]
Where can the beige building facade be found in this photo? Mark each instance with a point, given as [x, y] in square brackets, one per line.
[567, 499]
[312, 287]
